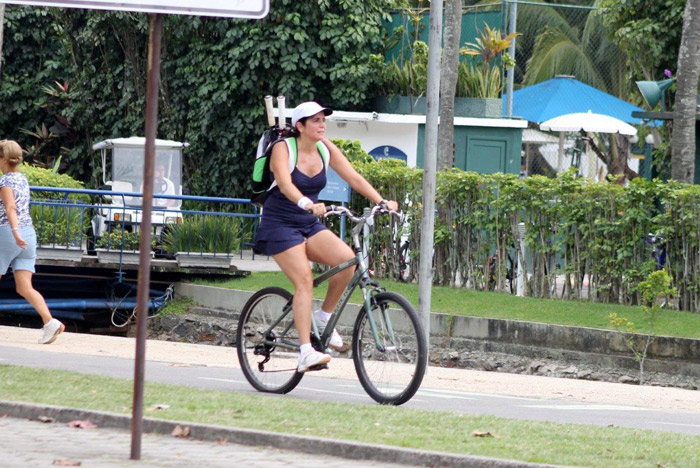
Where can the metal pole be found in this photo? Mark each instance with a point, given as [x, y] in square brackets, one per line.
[511, 71]
[143, 287]
[425, 272]
[560, 154]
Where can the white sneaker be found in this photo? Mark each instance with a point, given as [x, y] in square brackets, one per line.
[336, 340]
[310, 359]
[52, 329]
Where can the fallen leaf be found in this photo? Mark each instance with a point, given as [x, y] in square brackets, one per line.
[159, 406]
[60, 462]
[82, 424]
[222, 441]
[2, 415]
[181, 431]
[45, 419]
[485, 434]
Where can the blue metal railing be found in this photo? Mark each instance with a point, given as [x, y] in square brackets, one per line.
[77, 219]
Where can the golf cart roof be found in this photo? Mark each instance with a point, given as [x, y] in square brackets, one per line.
[137, 142]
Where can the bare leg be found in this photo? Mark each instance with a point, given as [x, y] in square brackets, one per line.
[23, 283]
[295, 264]
[327, 248]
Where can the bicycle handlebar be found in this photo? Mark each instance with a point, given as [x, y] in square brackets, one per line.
[338, 210]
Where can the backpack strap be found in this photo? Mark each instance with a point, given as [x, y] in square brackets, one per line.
[293, 155]
[325, 154]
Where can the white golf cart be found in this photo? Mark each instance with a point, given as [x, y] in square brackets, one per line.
[122, 171]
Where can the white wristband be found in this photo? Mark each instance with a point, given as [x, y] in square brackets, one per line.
[15, 229]
[303, 201]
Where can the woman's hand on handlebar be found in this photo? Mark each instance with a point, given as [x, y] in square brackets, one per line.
[391, 205]
[317, 209]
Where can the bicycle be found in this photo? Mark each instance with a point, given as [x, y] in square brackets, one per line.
[389, 348]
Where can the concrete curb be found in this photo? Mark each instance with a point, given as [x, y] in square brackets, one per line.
[677, 356]
[304, 444]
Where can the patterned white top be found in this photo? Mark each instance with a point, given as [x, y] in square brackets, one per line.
[20, 187]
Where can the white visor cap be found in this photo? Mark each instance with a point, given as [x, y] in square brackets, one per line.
[307, 109]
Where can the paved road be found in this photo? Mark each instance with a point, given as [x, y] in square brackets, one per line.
[557, 407]
[37, 444]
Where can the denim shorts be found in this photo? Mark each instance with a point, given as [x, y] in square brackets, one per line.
[12, 255]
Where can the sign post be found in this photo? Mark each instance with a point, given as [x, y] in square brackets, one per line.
[157, 8]
[155, 34]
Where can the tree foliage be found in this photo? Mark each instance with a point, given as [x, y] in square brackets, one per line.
[215, 73]
[648, 31]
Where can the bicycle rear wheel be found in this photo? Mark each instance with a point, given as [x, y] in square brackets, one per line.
[391, 368]
[267, 354]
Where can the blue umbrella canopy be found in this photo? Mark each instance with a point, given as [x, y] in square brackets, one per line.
[566, 95]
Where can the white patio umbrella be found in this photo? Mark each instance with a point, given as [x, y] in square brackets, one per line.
[587, 122]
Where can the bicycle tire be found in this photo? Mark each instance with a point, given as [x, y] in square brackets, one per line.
[279, 373]
[391, 376]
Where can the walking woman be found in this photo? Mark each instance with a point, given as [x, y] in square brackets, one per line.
[18, 238]
[290, 231]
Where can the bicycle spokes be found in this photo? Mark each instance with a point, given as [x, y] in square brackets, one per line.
[389, 349]
[268, 343]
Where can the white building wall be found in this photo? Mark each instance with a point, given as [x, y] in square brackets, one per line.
[372, 134]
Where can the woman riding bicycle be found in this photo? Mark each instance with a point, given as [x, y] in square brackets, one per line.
[290, 231]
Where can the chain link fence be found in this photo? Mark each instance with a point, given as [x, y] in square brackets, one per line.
[559, 39]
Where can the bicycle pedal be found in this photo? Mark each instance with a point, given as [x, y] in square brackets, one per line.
[318, 367]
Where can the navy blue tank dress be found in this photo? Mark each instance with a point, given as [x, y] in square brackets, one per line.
[283, 224]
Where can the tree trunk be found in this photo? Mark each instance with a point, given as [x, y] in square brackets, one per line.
[613, 164]
[683, 139]
[448, 83]
[2, 34]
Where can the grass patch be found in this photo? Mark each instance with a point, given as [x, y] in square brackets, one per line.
[542, 442]
[176, 307]
[454, 301]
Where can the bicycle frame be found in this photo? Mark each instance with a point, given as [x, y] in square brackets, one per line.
[360, 277]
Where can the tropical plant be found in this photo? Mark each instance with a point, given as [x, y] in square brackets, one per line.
[487, 51]
[404, 76]
[199, 233]
[479, 78]
[472, 82]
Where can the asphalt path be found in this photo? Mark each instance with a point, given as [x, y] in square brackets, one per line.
[314, 387]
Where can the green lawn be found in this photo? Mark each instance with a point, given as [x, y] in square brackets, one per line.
[543, 442]
[455, 301]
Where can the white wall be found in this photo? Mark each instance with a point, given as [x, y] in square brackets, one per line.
[372, 134]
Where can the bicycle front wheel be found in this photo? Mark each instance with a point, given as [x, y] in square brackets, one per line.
[268, 343]
[391, 364]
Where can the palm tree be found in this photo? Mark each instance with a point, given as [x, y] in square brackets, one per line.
[556, 41]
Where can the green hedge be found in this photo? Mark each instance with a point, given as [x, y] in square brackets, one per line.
[592, 234]
[57, 225]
